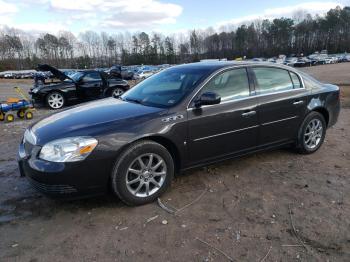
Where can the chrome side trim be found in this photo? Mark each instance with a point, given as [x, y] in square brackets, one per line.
[248, 97]
[281, 120]
[225, 102]
[221, 134]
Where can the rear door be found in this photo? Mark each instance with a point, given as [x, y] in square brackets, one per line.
[91, 85]
[216, 131]
[282, 101]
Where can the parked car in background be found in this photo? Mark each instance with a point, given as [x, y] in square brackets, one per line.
[27, 75]
[143, 74]
[345, 58]
[328, 60]
[127, 74]
[82, 86]
[122, 71]
[290, 61]
[183, 117]
[302, 61]
[9, 76]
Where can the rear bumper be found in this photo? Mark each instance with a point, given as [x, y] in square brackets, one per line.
[334, 114]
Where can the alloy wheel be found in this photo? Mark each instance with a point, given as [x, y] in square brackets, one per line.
[117, 92]
[313, 134]
[146, 175]
[55, 100]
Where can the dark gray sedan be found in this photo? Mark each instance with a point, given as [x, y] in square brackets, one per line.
[183, 117]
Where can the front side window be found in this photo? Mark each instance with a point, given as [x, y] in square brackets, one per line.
[92, 77]
[272, 80]
[229, 85]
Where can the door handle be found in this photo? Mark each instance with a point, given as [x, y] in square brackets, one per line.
[298, 102]
[248, 114]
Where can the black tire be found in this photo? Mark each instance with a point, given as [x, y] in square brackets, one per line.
[29, 115]
[10, 118]
[116, 92]
[21, 114]
[53, 105]
[127, 158]
[302, 146]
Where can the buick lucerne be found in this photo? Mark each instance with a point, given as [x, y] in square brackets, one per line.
[183, 117]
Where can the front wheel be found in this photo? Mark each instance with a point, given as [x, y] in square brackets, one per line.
[142, 173]
[55, 100]
[312, 133]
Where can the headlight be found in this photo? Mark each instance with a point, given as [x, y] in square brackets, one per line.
[35, 90]
[68, 149]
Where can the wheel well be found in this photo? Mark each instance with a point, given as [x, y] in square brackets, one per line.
[324, 113]
[171, 147]
[55, 91]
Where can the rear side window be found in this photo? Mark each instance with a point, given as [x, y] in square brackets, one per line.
[296, 80]
[272, 80]
[92, 77]
[230, 85]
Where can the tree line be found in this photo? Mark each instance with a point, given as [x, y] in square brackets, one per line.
[302, 34]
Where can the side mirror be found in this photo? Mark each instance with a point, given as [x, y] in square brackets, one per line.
[208, 98]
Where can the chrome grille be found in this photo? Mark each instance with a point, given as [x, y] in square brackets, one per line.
[52, 189]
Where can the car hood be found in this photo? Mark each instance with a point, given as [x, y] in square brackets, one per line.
[49, 86]
[57, 73]
[92, 119]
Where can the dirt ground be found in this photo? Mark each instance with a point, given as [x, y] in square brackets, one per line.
[271, 206]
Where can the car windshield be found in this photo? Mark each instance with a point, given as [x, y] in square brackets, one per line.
[76, 76]
[166, 88]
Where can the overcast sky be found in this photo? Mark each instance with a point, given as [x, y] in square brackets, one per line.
[147, 15]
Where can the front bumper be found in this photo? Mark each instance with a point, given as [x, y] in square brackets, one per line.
[37, 98]
[63, 180]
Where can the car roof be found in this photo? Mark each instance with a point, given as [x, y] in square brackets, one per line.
[88, 71]
[216, 65]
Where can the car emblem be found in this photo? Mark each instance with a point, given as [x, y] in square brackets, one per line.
[172, 118]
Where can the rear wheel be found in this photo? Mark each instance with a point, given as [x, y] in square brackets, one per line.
[312, 133]
[55, 100]
[142, 173]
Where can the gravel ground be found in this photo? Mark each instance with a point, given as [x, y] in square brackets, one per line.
[271, 206]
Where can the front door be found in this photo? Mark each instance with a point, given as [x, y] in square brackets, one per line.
[91, 85]
[229, 127]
